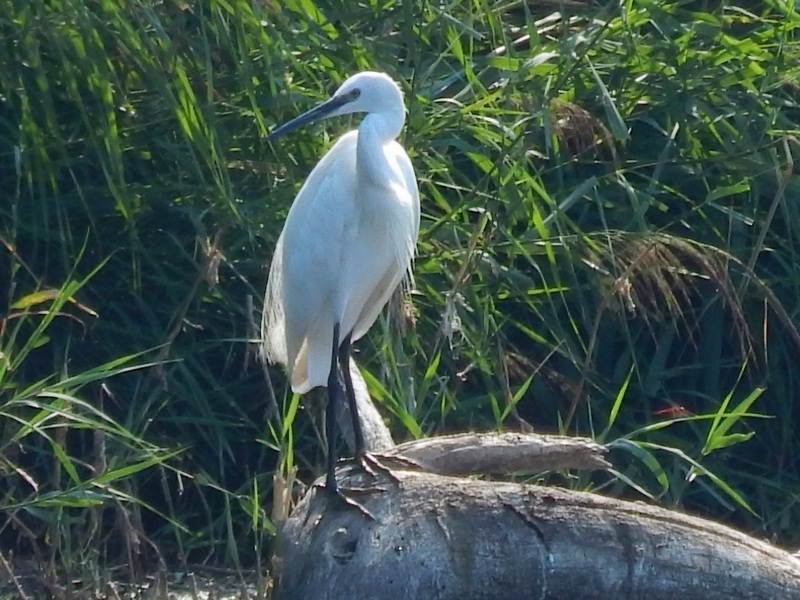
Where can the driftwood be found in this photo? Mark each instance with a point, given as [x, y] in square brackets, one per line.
[420, 532]
[501, 453]
[425, 535]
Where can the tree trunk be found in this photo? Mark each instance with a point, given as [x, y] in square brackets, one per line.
[413, 534]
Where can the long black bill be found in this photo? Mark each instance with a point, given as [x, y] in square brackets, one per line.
[315, 114]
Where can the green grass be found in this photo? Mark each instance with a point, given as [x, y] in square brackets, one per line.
[608, 248]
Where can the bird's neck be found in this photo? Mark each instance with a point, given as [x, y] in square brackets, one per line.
[375, 131]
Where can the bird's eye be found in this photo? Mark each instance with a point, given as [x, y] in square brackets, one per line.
[355, 93]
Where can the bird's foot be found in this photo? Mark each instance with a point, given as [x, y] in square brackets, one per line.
[375, 463]
[404, 461]
[339, 496]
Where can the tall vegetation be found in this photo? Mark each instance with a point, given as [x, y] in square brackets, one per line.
[609, 248]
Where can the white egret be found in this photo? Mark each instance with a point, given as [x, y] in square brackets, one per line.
[347, 243]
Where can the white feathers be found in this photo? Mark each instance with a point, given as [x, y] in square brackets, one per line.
[349, 238]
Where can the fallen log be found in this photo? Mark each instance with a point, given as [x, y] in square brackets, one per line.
[501, 453]
[438, 537]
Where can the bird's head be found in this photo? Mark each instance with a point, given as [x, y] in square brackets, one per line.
[366, 92]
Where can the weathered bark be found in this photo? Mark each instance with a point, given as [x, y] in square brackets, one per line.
[421, 533]
[501, 453]
[437, 537]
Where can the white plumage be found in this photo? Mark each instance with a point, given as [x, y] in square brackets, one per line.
[349, 238]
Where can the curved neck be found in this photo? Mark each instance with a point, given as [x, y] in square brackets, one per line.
[376, 130]
[387, 123]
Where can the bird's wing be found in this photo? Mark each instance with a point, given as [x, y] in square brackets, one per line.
[306, 269]
[411, 232]
[374, 303]
[410, 179]
[384, 246]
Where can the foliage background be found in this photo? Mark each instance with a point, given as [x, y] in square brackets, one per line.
[608, 248]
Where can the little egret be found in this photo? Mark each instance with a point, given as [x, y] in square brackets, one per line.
[347, 243]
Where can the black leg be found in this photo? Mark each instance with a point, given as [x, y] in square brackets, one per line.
[368, 462]
[334, 395]
[344, 364]
[330, 415]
